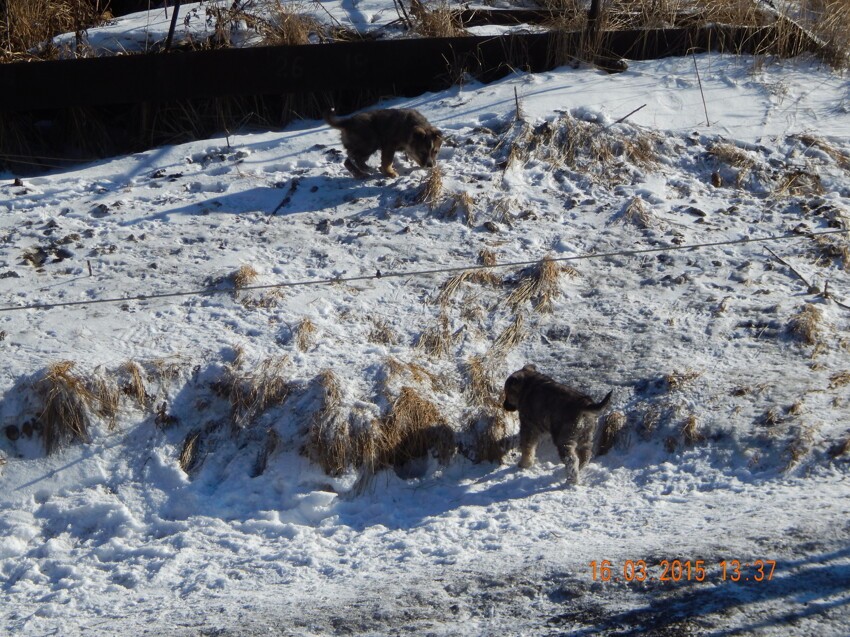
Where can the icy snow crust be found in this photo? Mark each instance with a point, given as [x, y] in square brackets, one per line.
[114, 537]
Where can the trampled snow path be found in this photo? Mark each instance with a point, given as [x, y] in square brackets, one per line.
[114, 536]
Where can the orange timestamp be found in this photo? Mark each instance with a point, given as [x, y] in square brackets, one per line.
[683, 571]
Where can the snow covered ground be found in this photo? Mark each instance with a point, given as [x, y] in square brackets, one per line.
[736, 426]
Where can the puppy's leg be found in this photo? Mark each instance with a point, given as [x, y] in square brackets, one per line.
[387, 162]
[568, 454]
[528, 439]
[356, 166]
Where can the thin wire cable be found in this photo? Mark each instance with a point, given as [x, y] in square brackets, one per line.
[421, 273]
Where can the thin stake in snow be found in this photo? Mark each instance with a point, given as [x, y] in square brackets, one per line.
[699, 81]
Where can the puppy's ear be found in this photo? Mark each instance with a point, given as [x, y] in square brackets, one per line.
[530, 368]
[419, 132]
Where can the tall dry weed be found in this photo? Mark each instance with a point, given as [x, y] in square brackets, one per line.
[539, 285]
[66, 406]
[26, 26]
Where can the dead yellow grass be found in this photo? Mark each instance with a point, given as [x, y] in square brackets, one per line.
[839, 379]
[305, 334]
[398, 369]
[252, 393]
[189, 453]
[488, 431]
[735, 158]
[382, 333]
[482, 389]
[510, 337]
[691, 431]
[288, 26]
[413, 427]
[813, 141]
[800, 445]
[538, 284]
[612, 426]
[66, 403]
[330, 441]
[679, 380]
[133, 384]
[27, 25]
[436, 341]
[438, 22]
[431, 193]
[107, 398]
[244, 276]
[464, 204]
[806, 324]
[639, 213]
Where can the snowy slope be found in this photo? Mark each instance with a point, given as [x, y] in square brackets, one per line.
[733, 422]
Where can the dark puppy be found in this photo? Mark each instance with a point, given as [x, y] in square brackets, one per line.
[387, 130]
[546, 406]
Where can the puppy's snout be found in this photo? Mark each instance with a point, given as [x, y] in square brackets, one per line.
[509, 406]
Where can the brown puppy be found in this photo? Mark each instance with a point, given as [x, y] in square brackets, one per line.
[546, 406]
[387, 130]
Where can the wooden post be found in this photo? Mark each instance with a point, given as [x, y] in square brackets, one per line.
[173, 25]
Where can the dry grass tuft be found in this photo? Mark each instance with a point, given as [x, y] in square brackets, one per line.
[512, 336]
[800, 445]
[489, 432]
[26, 25]
[413, 427]
[612, 426]
[831, 250]
[806, 324]
[134, 385]
[438, 340]
[464, 203]
[329, 440]
[188, 459]
[679, 380]
[735, 158]
[288, 26]
[487, 257]
[650, 421]
[412, 371]
[538, 284]
[812, 141]
[304, 334]
[382, 333]
[252, 393]
[107, 397]
[243, 277]
[639, 213]
[66, 405]
[482, 389]
[840, 379]
[432, 190]
[691, 431]
[440, 22]
[798, 183]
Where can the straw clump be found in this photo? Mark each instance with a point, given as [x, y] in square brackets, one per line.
[539, 285]
[67, 404]
[252, 393]
[806, 325]
[413, 427]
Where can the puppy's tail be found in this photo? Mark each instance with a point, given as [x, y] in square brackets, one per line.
[602, 404]
[332, 119]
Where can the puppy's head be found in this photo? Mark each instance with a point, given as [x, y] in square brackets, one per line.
[424, 146]
[514, 386]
